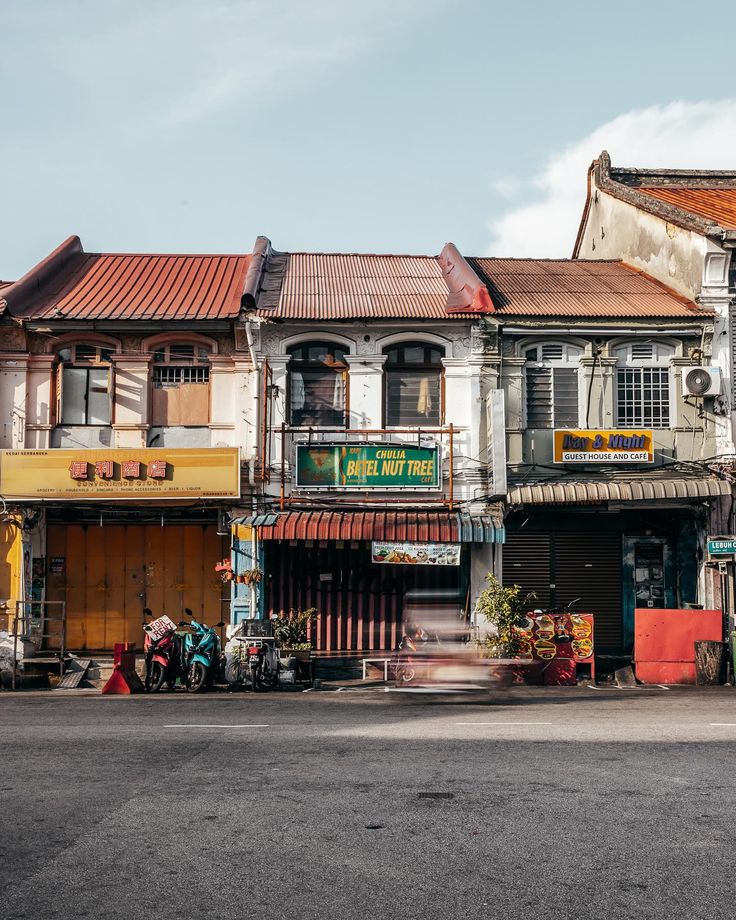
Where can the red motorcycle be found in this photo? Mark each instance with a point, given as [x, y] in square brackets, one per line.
[163, 648]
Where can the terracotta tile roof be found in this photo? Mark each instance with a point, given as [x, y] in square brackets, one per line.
[73, 284]
[565, 287]
[334, 286]
[716, 204]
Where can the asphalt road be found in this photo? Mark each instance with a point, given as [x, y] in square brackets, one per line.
[557, 803]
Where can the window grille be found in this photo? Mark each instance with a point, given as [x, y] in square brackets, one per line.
[643, 397]
[173, 376]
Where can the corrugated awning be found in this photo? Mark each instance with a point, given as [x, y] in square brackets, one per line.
[404, 526]
[256, 520]
[619, 490]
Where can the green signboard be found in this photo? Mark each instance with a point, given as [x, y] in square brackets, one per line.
[721, 546]
[366, 466]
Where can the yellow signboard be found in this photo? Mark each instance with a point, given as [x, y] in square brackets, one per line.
[600, 445]
[112, 474]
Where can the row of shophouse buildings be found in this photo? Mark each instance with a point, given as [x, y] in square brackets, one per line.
[320, 419]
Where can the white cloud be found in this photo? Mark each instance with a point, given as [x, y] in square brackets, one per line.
[683, 135]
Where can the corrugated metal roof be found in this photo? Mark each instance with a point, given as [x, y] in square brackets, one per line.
[341, 286]
[437, 526]
[716, 204]
[621, 490]
[566, 287]
[73, 284]
[410, 526]
[333, 286]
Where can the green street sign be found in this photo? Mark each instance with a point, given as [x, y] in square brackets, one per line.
[367, 466]
[721, 546]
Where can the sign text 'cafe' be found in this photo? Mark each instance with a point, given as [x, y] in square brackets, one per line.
[620, 445]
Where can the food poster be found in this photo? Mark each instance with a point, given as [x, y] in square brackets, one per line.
[415, 553]
[544, 636]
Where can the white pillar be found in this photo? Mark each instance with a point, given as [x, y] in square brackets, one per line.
[131, 399]
[365, 382]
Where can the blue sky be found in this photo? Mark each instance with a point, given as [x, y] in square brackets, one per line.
[379, 126]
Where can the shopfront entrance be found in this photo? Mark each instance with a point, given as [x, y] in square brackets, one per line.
[361, 605]
[108, 574]
[607, 562]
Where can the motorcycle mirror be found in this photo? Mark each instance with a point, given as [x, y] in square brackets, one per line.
[221, 623]
[181, 623]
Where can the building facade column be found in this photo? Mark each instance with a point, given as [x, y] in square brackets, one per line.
[365, 390]
[132, 392]
[38, 400]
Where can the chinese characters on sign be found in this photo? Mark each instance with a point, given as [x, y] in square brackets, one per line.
[129, 469]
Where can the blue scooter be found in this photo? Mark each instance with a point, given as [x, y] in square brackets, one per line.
[202, 654]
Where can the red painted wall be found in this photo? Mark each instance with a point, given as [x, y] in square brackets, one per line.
[664, 642]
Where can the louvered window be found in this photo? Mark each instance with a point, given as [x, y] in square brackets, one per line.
[552, 386]
[317, 385]
[413, 385]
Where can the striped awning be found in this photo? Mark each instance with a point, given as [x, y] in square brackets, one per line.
[401, 526]
[256, 520]
[617, 490]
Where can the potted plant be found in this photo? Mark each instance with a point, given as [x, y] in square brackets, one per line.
[251, 576]
[505, 612]
[292, 632]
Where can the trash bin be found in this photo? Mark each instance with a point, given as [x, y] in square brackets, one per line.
[710, 658]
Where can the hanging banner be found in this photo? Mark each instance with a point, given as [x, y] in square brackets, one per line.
[120, 473]
[415, 553]
[599, 445]
[366, 466]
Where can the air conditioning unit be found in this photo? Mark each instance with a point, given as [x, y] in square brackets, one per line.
[701, 381]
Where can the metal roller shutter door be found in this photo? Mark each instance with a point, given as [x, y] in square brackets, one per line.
[526, 562]
[588, 566]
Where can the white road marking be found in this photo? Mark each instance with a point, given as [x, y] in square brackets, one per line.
[723, 724]
[503, 723]
[216, 726]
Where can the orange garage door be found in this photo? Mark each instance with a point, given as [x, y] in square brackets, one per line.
[107, 575]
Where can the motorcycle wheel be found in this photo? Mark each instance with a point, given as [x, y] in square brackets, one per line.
[270, 679]
[255, 681]
[154, 677]
[197, 677]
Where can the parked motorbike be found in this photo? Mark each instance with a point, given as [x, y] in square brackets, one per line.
[163, 649]
[254, 661]
[202, 654]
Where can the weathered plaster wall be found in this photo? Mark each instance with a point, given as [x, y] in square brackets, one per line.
[617, 230]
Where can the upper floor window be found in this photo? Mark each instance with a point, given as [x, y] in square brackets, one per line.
[181, 392]
[83, 390]
[317, 384]
[413, 384]
[643, 384]
[552, 385]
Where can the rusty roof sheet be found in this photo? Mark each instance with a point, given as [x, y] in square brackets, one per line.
[565, 287]
[337, 286]
[440, 526]
[716, 204]
[73, 284]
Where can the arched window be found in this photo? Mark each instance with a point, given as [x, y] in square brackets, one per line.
[181, 385]
[643, 384]
[317, 384]
[551, 378]
[413, 385]
[83, 385]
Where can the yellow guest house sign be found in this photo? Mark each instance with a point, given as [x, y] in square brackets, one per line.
[146, 473]
[593, 445]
